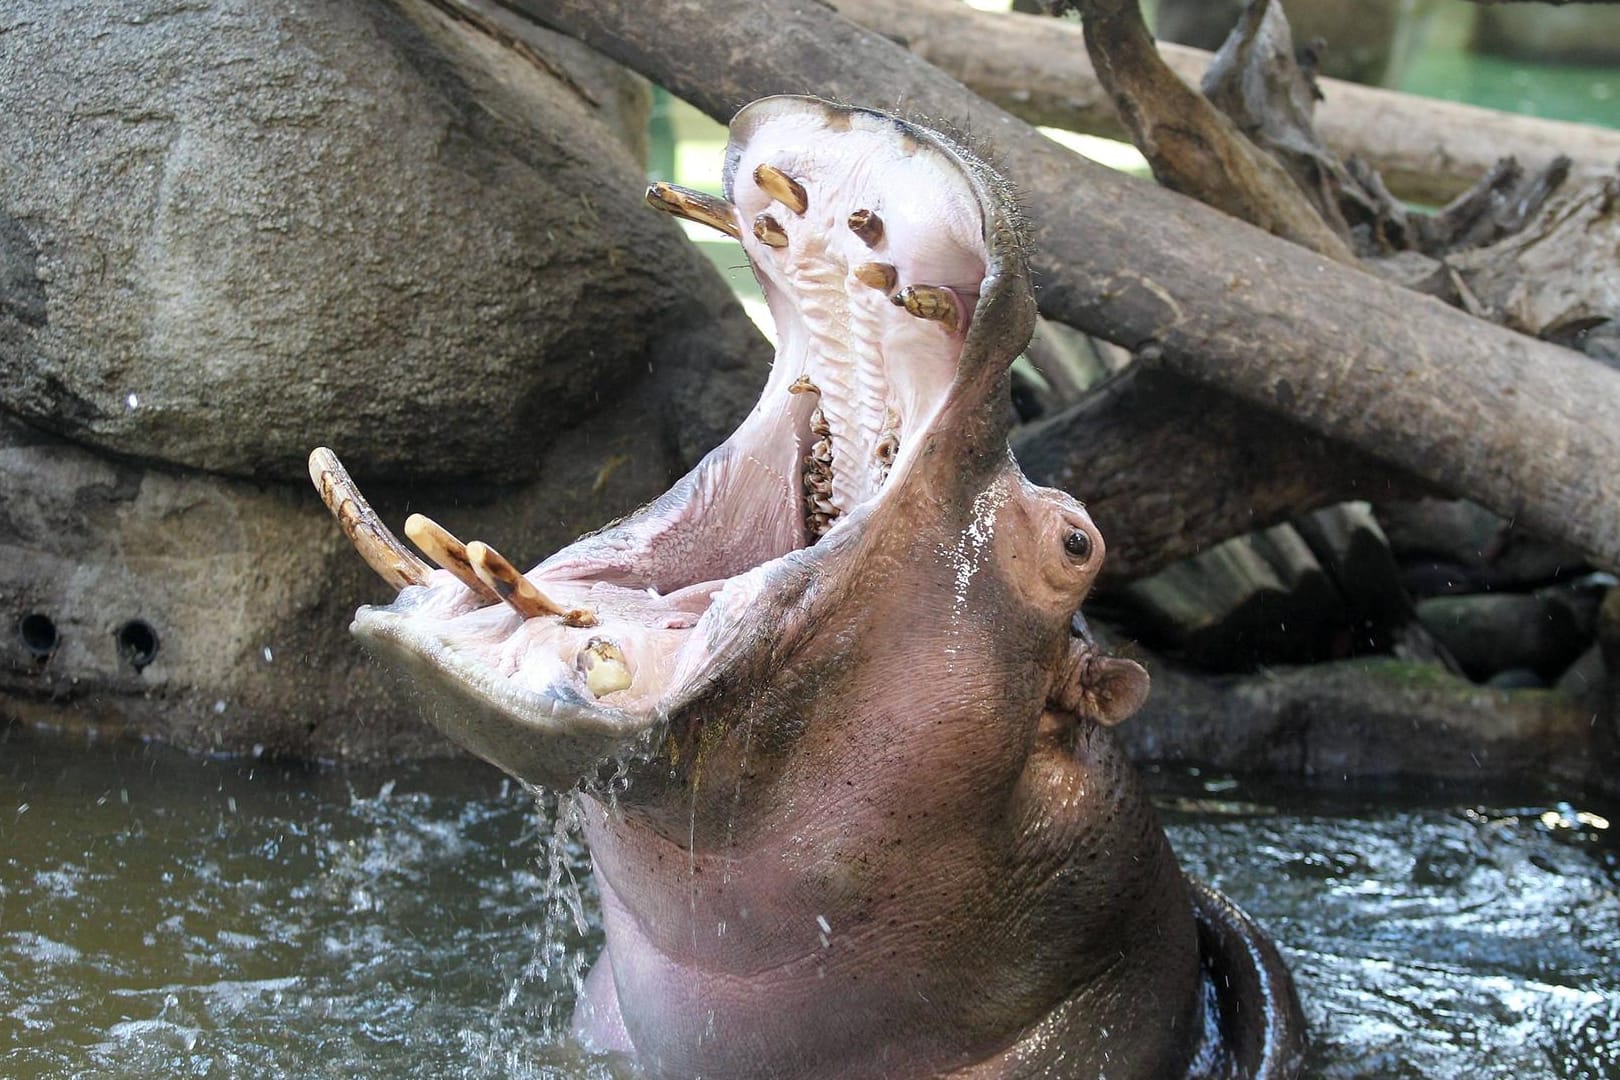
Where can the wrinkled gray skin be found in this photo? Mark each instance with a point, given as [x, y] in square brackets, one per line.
[876, 824]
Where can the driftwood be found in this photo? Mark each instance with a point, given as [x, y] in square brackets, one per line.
[1427, 151]
[1217, 469]
[1370, 717]
[1196, 148]
[1521, 426]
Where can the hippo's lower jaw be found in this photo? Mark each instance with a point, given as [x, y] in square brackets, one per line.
[876, 824]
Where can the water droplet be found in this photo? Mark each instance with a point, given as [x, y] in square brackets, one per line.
[133, 401]
[268, 655]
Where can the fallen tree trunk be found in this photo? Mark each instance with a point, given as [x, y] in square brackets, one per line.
[1036, 68]
[1523, 427]
[1220, 468]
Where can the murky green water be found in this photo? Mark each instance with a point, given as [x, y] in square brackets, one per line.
[163, 916]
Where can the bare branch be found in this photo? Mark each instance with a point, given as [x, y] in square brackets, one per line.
[1427, 150]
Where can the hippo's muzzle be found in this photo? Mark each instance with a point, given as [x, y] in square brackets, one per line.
[876, 822]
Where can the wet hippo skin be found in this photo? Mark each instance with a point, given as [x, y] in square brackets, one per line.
[852, 797]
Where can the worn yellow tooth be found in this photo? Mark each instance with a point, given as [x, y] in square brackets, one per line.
[868, 226]
[880, 276]
[604, 666]
[929, 302]
[441, 545]
[380, 548]
[769, 231]
[494, 570]
[781, 187]
[695, 206]
[803, 385]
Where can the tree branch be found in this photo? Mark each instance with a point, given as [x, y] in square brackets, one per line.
[1524, 427]
[1169, 467]
[1193, 147]
[1427, 150]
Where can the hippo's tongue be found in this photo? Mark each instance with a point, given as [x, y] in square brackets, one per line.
[872, 240]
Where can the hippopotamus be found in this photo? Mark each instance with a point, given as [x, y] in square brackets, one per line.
[851, 793]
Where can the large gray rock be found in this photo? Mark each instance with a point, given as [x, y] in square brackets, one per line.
[232, 230]
[213, 613]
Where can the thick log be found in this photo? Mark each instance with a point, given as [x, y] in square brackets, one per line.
[1526, 428]
[1427, 150]
[1219, 467]
[1368, 718]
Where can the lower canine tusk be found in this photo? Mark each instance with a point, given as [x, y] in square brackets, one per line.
[380, 548]
[519, 592]
[695, 206]
[441, 545]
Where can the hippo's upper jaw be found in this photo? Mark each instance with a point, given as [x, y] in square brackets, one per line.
[876, 825]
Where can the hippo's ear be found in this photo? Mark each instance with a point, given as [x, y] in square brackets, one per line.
[1112, 689]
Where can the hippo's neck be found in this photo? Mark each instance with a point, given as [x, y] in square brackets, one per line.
[831, 948]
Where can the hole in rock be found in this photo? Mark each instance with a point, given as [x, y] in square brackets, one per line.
[137, 643]
[38, 635]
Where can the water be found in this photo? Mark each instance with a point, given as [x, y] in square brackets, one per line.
[162, 916]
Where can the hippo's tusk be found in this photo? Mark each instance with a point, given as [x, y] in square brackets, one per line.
[604, 666]
[695, 206]
[380, 548]
[770, 232]
[932, 302]
[781, 187]
[877, 275]
[868, 226]
[441, 545]
[519, 592]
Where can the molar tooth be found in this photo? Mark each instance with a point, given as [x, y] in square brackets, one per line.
[380, 548]
[441, 545]
[769, 231]
[932, 302]
[695, 206]
[803, 385]
[781, 187]
[519, 592]
[604, 666]
[818, 423]
[877, 275]
[868, 226]
[888, 447]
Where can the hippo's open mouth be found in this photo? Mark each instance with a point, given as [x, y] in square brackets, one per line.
[875, 290]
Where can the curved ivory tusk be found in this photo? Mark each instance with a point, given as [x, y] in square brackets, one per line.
[695, 206]
[496, 571]
[441, 545]
[380, 548]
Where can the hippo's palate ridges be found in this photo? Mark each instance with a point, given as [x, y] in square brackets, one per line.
[875, 822]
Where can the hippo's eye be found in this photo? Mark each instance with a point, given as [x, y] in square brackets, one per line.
[1078, 544]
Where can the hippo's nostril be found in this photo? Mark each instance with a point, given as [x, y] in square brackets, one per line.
[38, 635]
[137, 643]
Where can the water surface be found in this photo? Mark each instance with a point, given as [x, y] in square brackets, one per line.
[164, 916]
